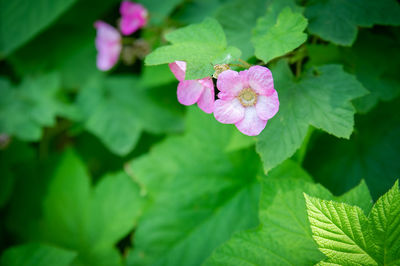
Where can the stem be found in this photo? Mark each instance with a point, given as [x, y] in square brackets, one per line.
[128, 40]
[238, 65]
[244, 63]
[298, 68]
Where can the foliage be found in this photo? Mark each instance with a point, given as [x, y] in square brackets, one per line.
[346, 236]
[107, 168]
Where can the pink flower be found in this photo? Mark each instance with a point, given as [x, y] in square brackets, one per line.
[134, 17]
[247, 99]
[192, 91]
[108, 45]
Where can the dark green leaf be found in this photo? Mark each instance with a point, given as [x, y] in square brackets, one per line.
[371, 154]
[337, 20]
[321, 98]
[20, 20]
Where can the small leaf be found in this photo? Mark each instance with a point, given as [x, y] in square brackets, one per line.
[35, 103]
[199, 45]
[275, 37]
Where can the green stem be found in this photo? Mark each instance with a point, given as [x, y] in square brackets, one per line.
[127, 40]
[244, 63]
[238, 65]
[298, 68]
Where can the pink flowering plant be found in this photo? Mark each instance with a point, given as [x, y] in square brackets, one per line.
[189, 132]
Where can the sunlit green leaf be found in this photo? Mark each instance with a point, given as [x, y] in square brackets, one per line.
[284, 236]
[347, 237]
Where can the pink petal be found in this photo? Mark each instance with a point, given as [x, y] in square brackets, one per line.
[178, 68]
[129, 25]
[207, 98]
[106, 32]
[228, 112]
[108, 45]
[267, 106]
[230, 83]
[251, 124]
[189, 92]
[133, 17]
[106, 61]
[260, 79]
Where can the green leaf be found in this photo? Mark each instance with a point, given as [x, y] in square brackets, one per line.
[274, 37]
[36, 254]
[284, 236]
[196, 10]
[89, 221]
[322, 98]
[159, 75]
[347, 237]
[371, 153]
[337, 21]
[20, 20]
[196, 187]
[200, 45]
[16, 154]
[35, 103]
[117, 109]
[339, 229]
[359, 196]
[238, 18]
[382, 82]
[385, 226]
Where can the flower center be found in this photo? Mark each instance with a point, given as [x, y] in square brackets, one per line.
[247, 97]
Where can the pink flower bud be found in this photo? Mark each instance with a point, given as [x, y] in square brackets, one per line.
[133, 17]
